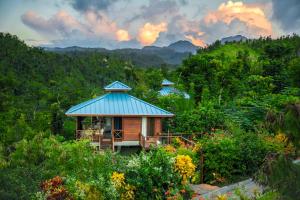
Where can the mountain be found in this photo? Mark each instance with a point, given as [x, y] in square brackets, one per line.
[73, 48]
[236, 38]
[148, 56]
[183, 46]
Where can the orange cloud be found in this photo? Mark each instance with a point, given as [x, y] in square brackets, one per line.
[251, 14]
[195, 41]
[150, 32]
[122, 35]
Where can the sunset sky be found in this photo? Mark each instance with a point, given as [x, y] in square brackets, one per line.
[136, 23]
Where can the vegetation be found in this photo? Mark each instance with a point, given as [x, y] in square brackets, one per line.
[244, 107]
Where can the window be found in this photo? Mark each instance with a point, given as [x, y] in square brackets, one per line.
[118, 123]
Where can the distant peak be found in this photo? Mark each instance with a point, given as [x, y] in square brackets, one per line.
[182, 42]
[235, 38]
[151, 47]
[183, 46]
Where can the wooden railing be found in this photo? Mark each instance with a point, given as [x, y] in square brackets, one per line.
[92, 135]
[95, 136]
[147, 141]
[118, 134]
[142, 141]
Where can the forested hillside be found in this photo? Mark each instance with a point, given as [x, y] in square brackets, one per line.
[238, 90]
[37, 86]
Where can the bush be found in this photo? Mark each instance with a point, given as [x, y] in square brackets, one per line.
[152, 174]
[43, 158]
[87, 175]
[201, 119]
[230, 157]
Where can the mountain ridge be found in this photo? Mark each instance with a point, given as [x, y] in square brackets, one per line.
[172, 54]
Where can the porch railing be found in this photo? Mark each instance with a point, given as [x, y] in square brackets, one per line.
[91, 134]
[95, 136]
[118, 134]
[147, 141]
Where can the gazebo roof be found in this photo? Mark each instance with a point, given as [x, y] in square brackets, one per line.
[117, 86]
[168, 89]
[166, 82]
[117, 104]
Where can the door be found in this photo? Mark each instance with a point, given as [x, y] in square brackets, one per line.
[151, 126]
[107, 127]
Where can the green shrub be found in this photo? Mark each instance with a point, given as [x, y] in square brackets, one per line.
[230, 157]
[152, 174]
[203, 118]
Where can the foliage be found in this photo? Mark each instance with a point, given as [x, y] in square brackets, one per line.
[202, 119]
[284, 177]
[270, 195]
[54, 189]
[34, 160]
[229, 157]
[279, 172]
[153, 174]
[239, 92]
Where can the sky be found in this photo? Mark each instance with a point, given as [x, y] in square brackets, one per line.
[136, 23]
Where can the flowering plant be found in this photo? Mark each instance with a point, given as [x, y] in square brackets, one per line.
[185, 167]
[126, 190]
[118, 179]
[54, 189]
[170, 148]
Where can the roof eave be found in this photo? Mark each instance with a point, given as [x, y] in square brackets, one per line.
[122, 115]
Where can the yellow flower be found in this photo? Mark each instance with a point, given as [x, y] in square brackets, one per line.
[128, 192]
[222, 197]
[170, 148]
[197, 148]
[184, 166]
[118, 179]
[281, 137]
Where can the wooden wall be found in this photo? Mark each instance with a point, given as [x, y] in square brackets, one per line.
[132, 127]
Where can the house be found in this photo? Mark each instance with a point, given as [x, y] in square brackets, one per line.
[118, 119]
[168, 89]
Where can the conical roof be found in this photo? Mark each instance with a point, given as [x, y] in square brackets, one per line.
[166, 82]
[117, 86]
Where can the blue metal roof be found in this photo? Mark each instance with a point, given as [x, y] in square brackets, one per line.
[167, 90]
[166, 82]
[117, 86]
[117, 104]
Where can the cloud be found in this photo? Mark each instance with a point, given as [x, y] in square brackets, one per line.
[178, 24]
[196, 41]
[63, 26]
[149, 32]
[34, 42]
[252, 15]
[100, 25]
[157, 22]
[84, 5]
[122, 35]
[61, 23]
[287, 13]
[220, 30]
